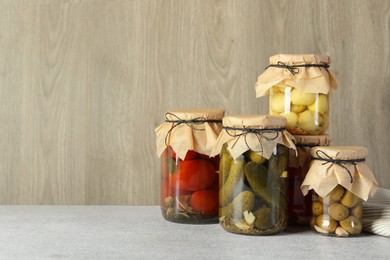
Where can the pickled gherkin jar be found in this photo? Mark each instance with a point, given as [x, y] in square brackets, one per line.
[254, 153]
[341, 181]
[189, 176]
[299, 206]
[299, 88]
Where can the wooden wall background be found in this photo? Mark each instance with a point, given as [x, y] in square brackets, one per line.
[84, 83]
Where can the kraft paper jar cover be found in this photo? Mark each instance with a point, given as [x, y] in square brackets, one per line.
[308, 79]
[238, 142]
[199, 137]
[324, 176]
[304, 144]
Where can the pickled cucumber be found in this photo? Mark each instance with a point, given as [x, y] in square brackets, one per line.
[224, 164]
[264, 218]
[241, 203]
[255, 157]
[235, 176]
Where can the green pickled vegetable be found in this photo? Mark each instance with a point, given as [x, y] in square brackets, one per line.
[241, 203]
[264, 218]
[233, 180]
[225, 162]
[257, 176]
[257, 158]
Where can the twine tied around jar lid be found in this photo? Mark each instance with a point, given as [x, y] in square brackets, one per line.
[303, 144]
[259, 133]
[340, 162]
[189, 129]
[189, 122]
[294, 69]
[307, 72]
[338, 165]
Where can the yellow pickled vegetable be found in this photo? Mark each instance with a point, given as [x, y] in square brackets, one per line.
[292, 119]
[298, 97]
[320, 105]
[277, 102]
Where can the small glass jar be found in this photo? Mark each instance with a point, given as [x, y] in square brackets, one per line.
[189, 178]
[253, 175]
[340, 180]
[338, 214]
[299, 88]
[299, 206]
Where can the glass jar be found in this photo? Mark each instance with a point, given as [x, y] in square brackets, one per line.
[340, 180]
[299, 88]
[253, 174]
[299, 206]
[339, 213]
[189, 178]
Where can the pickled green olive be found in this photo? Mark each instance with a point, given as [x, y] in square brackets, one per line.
[339, 213]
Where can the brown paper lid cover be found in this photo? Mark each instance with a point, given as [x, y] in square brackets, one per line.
[312, 140]
[183, 136]
[308, 79]
[324, 176]
[303, 144]
[239, 141]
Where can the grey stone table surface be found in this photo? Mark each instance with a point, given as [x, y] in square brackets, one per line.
[132, 232]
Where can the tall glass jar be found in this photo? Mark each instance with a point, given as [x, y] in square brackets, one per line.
[299, 206]
[189, 178]
[340, 180]
[254, 152]
[299, 88]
